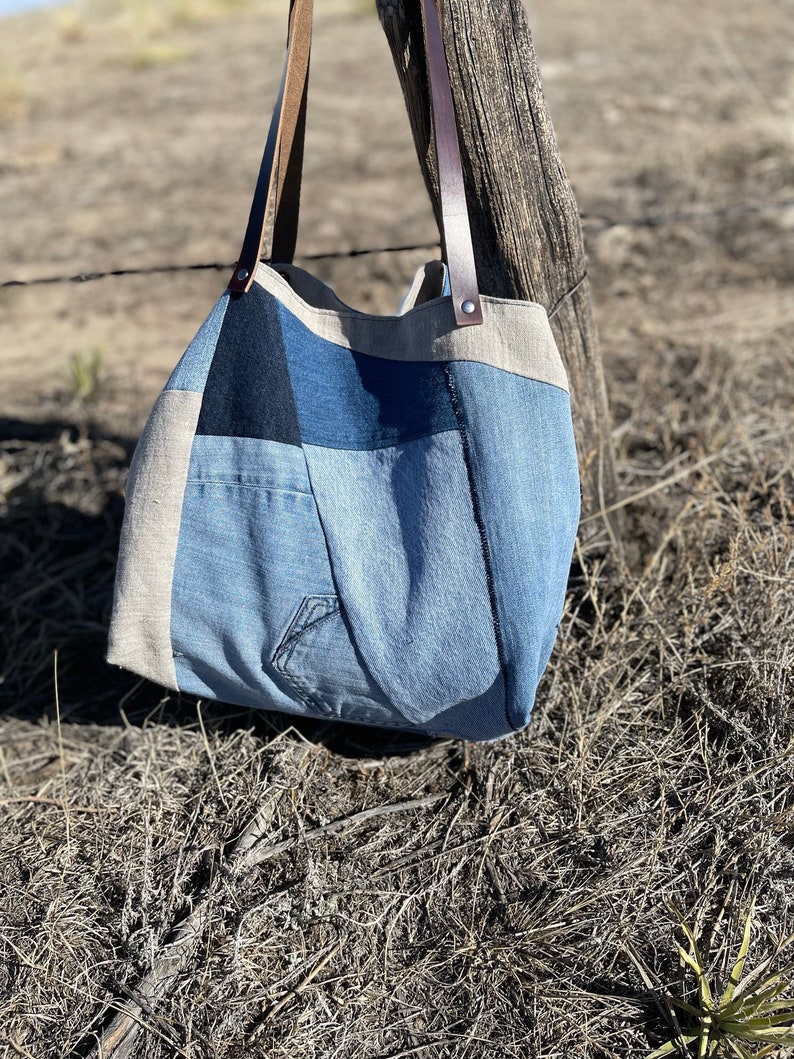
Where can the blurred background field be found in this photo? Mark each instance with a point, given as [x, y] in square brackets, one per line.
[512, 915]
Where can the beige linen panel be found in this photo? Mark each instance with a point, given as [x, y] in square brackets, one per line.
[514, 336]
[140, 630]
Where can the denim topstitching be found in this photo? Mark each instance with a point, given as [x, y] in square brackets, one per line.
[284, 652]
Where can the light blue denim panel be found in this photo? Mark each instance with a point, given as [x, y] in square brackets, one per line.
[481, 719]
[192, 370]
[407, 560]
[524, 469]
[255, 619]
[248, 461]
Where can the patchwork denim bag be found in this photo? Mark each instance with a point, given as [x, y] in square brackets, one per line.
[347, 516]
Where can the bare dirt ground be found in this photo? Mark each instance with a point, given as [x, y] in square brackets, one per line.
[238, 886]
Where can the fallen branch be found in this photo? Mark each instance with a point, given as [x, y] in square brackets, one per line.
[118, 1039]
[257, 856]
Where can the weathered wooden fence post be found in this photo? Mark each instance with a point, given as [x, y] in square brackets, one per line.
[525, 221]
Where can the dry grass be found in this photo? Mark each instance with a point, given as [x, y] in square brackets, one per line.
[496, 919]
[192, 879]
[15, 96]
[152, 20]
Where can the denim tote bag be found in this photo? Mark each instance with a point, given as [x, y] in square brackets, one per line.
[354, 517]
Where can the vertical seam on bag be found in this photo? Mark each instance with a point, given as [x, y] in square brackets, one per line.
[486, 548]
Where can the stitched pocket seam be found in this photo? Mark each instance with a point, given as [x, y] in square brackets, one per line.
[295, 633]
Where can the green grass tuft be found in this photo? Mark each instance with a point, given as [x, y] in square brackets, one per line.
[753, 1011]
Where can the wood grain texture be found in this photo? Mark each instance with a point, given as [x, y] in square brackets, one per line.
[525, 221]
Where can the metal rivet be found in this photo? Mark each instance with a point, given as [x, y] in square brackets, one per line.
[243, 274]
[468, 307]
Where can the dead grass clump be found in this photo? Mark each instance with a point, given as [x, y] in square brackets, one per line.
[60, 502]
[15, 97]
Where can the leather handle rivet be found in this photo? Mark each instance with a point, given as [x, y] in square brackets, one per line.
[468, 307]
[243, 274]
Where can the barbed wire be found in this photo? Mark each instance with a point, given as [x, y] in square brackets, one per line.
[218, 266]
[592, 221]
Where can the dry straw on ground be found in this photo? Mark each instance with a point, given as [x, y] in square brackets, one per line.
[189, 879]
[463, 901]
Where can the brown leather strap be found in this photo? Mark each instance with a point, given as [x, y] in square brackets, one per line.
[273, 220]
[456, 230]
[287, 205]
[274, 211]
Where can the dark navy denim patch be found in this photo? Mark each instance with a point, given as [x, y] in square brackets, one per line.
[248, 392]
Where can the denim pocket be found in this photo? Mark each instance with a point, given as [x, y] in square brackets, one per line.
[255, 617]
[318, 659]
[409, 567]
